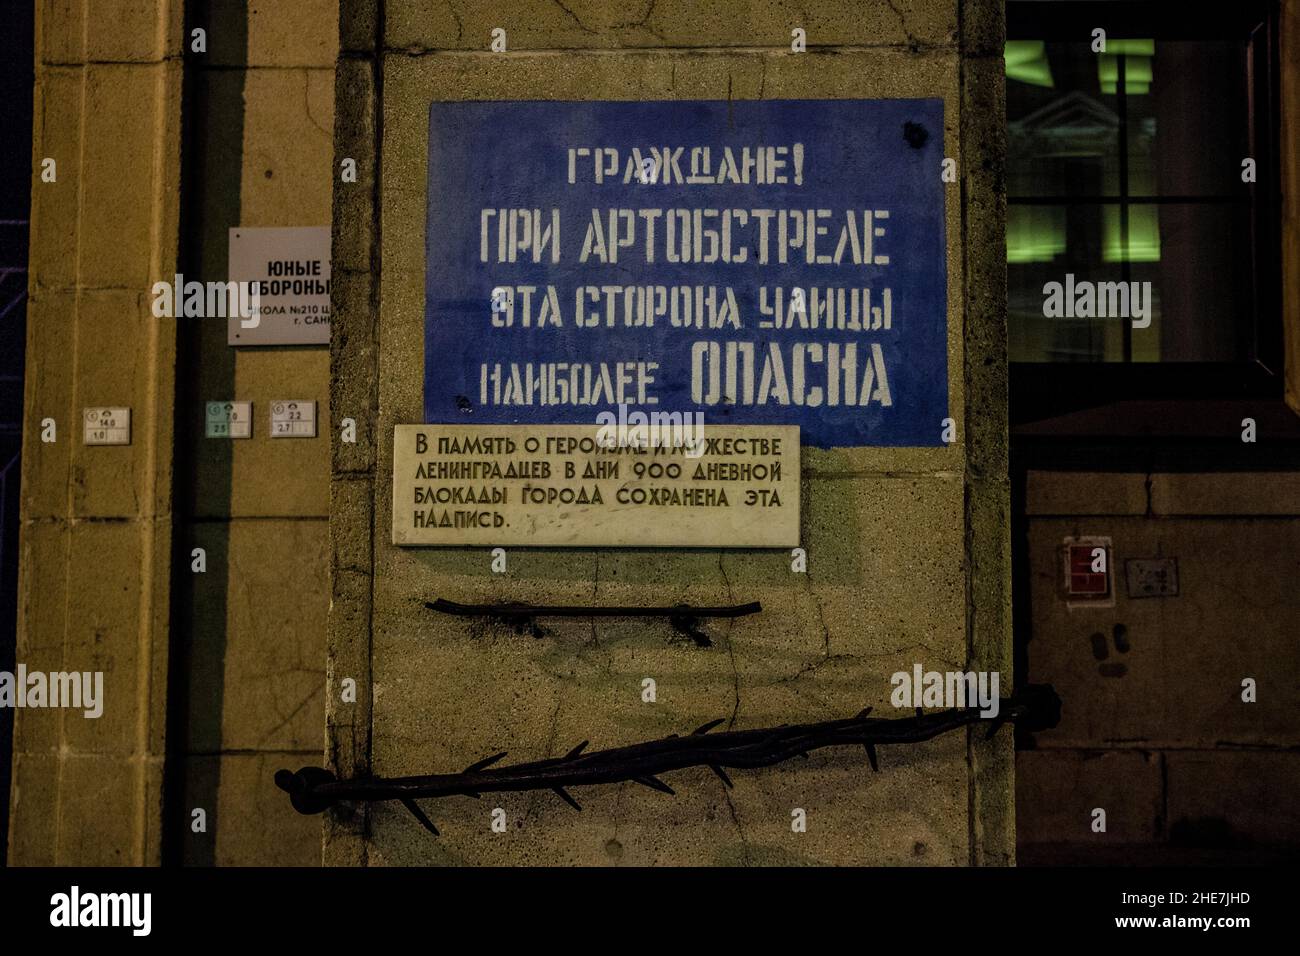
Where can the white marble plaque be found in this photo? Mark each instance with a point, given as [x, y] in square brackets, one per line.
[558, 486]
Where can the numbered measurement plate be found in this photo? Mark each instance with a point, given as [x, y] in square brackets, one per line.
[293, 419]
[107, 426]
[229, 420]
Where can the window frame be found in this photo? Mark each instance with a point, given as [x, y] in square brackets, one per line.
[1041, 390]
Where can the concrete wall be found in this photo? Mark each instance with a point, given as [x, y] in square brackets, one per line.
[907, 548]
[105, 583]
[1153, 728]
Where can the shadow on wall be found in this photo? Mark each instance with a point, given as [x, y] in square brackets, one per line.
[211, 203]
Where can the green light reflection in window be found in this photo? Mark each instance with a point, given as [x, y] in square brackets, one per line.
[1143, 234]
[1027, 62]
[1137, 66]
[1035, 233]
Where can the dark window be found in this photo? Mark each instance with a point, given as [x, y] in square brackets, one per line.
[16, 81]
[1125, 187]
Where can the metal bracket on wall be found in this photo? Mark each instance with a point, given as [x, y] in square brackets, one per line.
[683, 617]
[315, 790]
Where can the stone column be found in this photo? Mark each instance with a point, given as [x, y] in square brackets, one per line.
[96, 521]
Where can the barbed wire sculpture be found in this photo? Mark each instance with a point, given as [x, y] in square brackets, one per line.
[315, 790]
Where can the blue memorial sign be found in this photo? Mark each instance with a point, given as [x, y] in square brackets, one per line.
[755, 261]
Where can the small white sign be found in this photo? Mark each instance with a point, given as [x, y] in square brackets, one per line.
[293, 419]
[107, 426]
[291, 267]
[229, 420]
